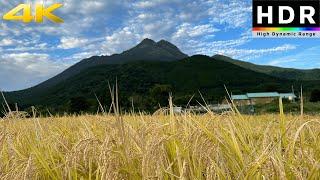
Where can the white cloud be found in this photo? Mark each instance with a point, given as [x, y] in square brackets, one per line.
[72, 42]
[233, 13]
[280, 62]
[19, 71]
[163, 19]
[155, 3]
[156, 19]
[248, 54]
[79, 16]
[80, 56]
[6, 42]
[306, 58]
[120, 40]
[187, 30]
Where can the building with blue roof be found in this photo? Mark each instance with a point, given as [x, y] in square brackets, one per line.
[261, 97]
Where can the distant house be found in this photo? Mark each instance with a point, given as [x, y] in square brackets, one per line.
[261, 98]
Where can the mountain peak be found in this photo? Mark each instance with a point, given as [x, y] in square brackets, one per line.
[174, 50]
[162, 41]
[147, 42]
[221, 56]
[148, 49]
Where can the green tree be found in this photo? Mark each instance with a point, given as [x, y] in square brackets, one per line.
[315, 95]
[78, 104]
[272, 87]
[140, 103]
[160, 93]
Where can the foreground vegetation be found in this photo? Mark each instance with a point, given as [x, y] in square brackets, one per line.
[229, 146]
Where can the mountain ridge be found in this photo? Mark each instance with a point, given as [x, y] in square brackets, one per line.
[147, 50]
[287, 73]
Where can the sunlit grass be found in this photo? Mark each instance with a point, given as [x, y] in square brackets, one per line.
[161, 147]
[187, 146]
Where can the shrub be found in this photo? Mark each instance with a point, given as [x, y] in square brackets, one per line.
[315, 95]
[78, 104]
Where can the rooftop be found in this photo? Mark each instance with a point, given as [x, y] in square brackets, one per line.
[248, 96]
[288, 95]
[263, 95]
[239, 97]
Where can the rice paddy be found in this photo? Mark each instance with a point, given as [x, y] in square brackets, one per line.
[209, 146]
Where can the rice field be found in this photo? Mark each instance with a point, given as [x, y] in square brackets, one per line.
[209, 146]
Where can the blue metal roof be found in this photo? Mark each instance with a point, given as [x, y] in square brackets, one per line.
[263, 95]
[288, 95]
[239, 97]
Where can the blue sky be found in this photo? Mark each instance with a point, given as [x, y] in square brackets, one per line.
[32, 53]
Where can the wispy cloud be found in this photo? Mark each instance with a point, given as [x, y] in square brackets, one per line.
[249, 54]
[303, 59]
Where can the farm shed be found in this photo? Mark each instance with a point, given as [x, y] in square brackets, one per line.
[261, 97]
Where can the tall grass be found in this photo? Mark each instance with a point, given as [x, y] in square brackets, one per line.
[185, 146]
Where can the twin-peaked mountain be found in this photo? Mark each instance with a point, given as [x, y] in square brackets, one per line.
[148, 71]
[147, 50]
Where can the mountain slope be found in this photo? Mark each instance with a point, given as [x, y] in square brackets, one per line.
[146, 50]
[136, 79]
[287, 73]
